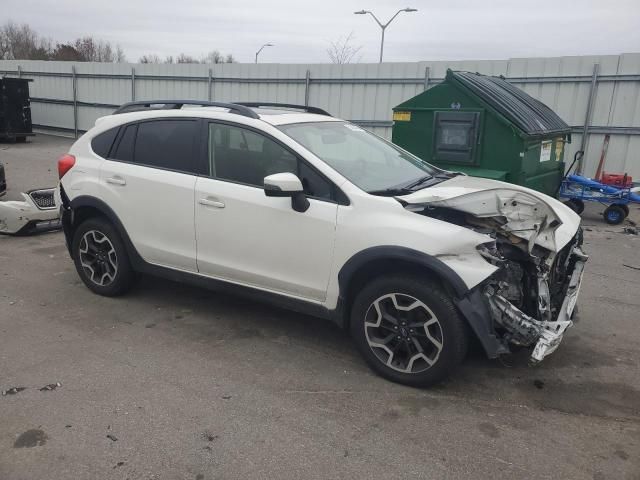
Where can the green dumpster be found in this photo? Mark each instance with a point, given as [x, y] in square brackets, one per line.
[485, 127]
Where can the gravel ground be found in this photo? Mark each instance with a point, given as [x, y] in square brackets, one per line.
[175, 382]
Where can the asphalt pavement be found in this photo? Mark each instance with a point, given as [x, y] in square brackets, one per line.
[176, 382]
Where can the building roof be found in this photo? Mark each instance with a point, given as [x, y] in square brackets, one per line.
[531, 116]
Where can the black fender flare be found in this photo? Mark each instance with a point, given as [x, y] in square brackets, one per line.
[107, 211]
[470, 302]
[397, 253]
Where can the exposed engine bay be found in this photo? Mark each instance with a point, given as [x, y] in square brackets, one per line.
[532, 295]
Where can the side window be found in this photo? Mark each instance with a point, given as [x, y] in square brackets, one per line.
[167, 144]
[314, 184]
[124, 149]
[101, 144]
[244, 156]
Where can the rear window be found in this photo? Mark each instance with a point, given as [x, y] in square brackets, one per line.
[101, 144]
[166, 144]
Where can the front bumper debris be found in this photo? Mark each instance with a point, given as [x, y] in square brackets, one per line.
[38, 211]
[525, 330]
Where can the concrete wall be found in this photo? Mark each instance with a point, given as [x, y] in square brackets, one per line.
[365, 93]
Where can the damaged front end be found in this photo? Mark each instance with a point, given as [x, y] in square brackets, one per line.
[38, 211]
[535, 245]
[533, 299]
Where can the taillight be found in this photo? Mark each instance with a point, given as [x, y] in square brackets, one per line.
[65, 162]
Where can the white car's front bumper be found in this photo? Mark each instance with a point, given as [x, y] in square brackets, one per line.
[39, 210]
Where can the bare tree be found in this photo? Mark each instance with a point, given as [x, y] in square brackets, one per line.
[150, 58]
[120, 57]
[214, 56]
[343, 51]
[21, 42]
[184, 58]
[92, 50]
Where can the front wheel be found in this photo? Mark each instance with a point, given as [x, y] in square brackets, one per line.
[101, 258]
[408, 330]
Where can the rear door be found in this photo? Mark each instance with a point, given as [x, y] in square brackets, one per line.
[148, 180]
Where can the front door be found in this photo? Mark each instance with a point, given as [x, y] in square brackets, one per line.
[244, 236]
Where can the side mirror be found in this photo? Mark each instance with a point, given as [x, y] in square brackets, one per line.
[287, 185]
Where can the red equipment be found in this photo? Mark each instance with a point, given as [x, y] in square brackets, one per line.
[620, 180]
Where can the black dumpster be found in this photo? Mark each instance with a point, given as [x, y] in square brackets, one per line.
[15, 109]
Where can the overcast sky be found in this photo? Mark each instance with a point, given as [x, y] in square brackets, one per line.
[301, 30]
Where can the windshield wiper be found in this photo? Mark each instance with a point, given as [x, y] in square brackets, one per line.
[390, 191]
[402, 189]
[418, 182]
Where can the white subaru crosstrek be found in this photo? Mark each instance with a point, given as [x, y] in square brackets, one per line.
[292, 206]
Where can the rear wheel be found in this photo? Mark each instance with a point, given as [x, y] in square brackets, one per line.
[101, 258]
[21, 139]
[408, 330]
[575, 205]
[614, 215]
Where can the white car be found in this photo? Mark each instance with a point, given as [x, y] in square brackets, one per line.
[290, 205]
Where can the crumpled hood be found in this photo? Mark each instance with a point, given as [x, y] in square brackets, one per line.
[525, 213]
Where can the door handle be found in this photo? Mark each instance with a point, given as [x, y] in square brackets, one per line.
[116, 180]
[211, 203]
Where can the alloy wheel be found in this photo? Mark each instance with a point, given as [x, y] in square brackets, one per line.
[403, 333]
[98, 258]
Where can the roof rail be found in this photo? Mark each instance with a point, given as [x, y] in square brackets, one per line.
[305, 108]
[143, 105]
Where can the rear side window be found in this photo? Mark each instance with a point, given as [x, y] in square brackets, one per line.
[167, 144]
[101, 144]
[124, 149]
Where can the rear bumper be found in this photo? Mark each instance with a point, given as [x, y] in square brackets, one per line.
[66, 218]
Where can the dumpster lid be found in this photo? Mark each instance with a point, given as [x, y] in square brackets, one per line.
[531, 116]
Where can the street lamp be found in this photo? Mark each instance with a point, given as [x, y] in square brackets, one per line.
[385, 25]
[265, 45]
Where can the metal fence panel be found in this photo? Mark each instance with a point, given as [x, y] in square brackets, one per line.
[365, 93]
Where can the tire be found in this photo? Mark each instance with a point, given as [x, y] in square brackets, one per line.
[614, 215]
[435, 321]
[625, 208]
[21, 139]
[101, 259]
[575, 205]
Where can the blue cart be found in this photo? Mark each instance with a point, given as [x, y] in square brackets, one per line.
[578, 189]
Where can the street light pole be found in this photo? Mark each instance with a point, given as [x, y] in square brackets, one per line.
[265, 45]
[383, 26]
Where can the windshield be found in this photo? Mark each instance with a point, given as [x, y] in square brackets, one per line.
[372, 164]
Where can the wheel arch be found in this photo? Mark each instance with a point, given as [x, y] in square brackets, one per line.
[84, 207]
[383, 260]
